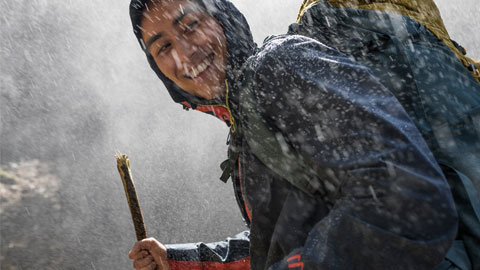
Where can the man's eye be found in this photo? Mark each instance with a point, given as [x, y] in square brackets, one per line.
[191, 26]
[163, 48]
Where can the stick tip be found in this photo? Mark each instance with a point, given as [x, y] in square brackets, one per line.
[122, 159]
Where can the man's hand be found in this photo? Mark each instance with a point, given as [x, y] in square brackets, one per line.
[149, 254]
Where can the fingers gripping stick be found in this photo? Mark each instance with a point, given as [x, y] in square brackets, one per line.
[123, 165]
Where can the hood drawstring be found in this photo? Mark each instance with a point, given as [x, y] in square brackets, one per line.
[233, 127]
[221, 111]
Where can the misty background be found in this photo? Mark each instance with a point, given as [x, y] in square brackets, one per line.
[75, 89]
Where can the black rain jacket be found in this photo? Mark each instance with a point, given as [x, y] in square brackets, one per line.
[393, 208]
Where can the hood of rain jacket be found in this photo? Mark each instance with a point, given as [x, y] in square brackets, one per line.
[239, 42]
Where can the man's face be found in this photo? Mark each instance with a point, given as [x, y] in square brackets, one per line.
[188, 46]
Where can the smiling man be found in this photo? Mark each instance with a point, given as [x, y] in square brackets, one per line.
[328, 170]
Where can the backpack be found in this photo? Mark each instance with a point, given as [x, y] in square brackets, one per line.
[425, 12]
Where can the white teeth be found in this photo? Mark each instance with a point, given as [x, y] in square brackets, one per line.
[200, 68]
[194, 73]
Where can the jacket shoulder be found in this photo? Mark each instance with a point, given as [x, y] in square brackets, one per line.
[293, 52]
[279, 49]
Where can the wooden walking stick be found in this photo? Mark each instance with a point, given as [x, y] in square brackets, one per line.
[123, 165]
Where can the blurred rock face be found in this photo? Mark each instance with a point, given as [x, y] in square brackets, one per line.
[28, 202]
[24, 179]
[75, 88]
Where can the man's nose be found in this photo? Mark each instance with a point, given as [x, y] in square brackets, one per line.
[186, 49]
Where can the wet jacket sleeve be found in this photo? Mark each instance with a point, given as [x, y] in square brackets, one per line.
[231, 254]
[392, 206]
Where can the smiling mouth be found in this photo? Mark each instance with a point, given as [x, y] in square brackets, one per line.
[197, 71]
